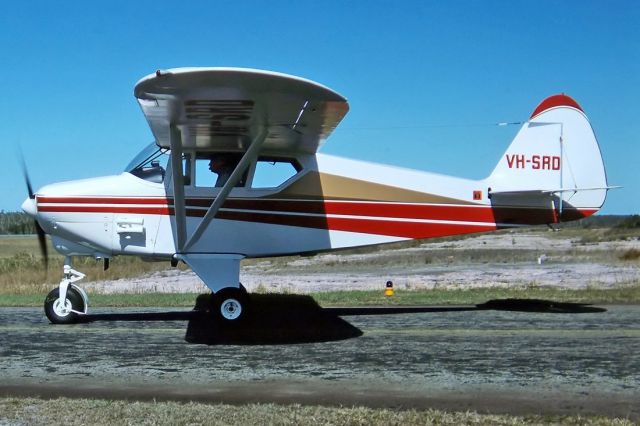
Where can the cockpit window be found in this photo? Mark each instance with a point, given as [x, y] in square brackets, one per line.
[150, 163]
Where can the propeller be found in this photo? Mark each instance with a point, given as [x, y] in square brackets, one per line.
[42, 241]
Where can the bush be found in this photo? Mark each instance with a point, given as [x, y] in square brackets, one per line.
[631, 222]
[631, 254]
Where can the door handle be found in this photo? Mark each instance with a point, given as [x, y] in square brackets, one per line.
[129, 225]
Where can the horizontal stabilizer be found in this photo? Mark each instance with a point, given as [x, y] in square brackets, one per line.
[550, 191]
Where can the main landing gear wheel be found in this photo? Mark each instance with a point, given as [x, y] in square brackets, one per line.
[230, 305]
[61, 313]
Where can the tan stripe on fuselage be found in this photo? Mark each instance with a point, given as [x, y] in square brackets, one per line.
[316, 185]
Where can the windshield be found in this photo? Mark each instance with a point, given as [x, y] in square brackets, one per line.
[149, 164]
[145, 157]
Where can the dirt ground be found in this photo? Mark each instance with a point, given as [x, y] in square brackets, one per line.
[536, 258]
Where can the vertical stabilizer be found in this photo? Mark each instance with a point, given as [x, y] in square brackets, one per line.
[556, 153]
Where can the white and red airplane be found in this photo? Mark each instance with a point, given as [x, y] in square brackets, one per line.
[280, 196]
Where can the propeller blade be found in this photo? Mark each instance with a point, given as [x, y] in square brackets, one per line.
[29, 187]
[42, 240]
[43, 245]
[26, 177]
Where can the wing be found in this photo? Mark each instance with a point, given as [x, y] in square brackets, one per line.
[225, 108]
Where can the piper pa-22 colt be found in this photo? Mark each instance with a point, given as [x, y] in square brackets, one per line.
[282, 197]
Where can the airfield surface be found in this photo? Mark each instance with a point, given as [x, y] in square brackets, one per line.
[538, 258]
[489, 361]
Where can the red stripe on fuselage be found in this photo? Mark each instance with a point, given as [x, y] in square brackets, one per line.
[312, 214]
[366, 226]
[105, 209]
[357, 208]
[104, 200]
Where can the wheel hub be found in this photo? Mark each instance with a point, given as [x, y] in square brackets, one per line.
[62, 309]
[231, 309]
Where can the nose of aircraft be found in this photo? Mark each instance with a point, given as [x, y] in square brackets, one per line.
[29, 207]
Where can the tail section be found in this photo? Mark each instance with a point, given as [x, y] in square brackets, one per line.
[553, 162]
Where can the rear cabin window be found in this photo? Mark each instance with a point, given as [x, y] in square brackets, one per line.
[273, 172]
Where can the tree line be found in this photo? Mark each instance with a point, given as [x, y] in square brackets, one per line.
[15, 223]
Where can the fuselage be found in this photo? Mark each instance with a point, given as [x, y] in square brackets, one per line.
[329, 203]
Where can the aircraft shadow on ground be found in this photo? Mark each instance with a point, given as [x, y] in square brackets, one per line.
[538, 305]
[141, 316]
[290, 319]
[273, 319]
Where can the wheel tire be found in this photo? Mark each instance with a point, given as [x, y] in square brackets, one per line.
[74, 300]
[230, 305]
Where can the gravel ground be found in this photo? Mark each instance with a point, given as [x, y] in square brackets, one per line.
[486, 361]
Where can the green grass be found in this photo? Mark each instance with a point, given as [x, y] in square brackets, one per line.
[66, 411]
[22, 268]
[619, 295]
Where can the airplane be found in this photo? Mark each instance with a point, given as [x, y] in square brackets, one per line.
[280, 196]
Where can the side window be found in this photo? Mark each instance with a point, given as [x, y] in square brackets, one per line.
[273, 172]
[203, 176]
[214, 169]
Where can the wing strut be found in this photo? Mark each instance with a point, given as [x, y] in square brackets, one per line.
[175, 141]
[250, 155]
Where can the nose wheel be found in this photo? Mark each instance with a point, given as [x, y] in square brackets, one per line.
[64, 311]
[63, 305]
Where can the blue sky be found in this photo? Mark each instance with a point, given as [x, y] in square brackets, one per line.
[425, 80]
